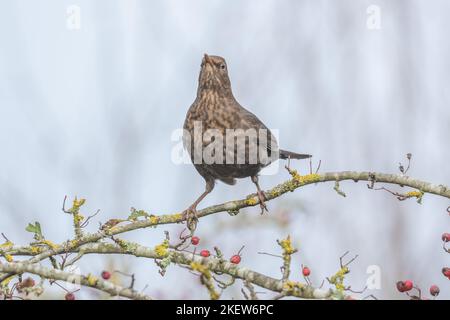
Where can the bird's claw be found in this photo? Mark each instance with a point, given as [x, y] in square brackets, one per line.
[190, 215]
[262, 204]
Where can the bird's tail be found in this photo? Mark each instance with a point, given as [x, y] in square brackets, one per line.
[292, 155]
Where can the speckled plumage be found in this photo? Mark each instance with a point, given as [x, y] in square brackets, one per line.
[216, 108]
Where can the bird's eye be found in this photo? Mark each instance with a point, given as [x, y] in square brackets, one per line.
[222, 66]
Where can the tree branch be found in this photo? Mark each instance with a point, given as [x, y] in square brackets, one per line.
[215, 265]
[80, 243]
[89, 281]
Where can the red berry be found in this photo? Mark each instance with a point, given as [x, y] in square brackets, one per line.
[446, 237]
[408, 285]
[106, 275]
[400, 286]
[70, 296]
[403, 286]
[306, 272]
[434, 290]
[195, 240]
[236, 259]
[205, 253]
[446, 272]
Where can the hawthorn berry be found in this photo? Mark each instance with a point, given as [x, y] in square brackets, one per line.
[69, 296]
[236, 259]
[434, 290]
[106, 275]
[400, 286]
[195, 240]
[446, 237]
[408, 285]
[205, 253]
[306, 272]
[404, 286]
[446, 271]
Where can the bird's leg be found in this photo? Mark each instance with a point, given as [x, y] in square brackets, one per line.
[190, 214]
[261, 196]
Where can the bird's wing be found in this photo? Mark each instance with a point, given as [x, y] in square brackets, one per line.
[248, 120]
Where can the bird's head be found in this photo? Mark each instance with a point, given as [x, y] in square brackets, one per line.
[214, 75]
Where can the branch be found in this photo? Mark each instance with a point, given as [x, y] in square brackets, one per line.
[215, 265]
[297, 181]
[233, 206]
[89, 281]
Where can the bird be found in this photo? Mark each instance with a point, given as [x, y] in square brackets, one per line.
[216, 110]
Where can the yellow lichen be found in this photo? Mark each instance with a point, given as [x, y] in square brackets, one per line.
[340, 286]
[161, 249]
[49, 243]
[414, 194]
[214, 295]
[195, 266]
[154, 219]
[112, 230]
[338, 279]
[77, 218]
[251, 201]
[290, 285]
[286, 245]
[177, 216]
[78, 203]
[91, 280]
[206, 280]
[306, 179]
[8, 257]
[7, 245]
[7, 281]
[35, 249]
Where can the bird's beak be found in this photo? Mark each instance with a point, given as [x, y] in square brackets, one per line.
[208, 59]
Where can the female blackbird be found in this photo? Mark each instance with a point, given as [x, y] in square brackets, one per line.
[225, 141]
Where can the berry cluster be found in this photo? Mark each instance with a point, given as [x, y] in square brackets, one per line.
[235, 259]
[407, 285]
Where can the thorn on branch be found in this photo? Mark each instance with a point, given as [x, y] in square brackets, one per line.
[6, 239]
[271, 254]
[86, 222]
[348, 263]
[310, 166]
[132, 276]
[183, 239]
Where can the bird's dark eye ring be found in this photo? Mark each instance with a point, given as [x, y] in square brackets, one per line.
[222, 66]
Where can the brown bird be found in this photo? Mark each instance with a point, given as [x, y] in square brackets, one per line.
[216, 117]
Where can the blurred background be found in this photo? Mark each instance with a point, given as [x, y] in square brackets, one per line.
[91, 91]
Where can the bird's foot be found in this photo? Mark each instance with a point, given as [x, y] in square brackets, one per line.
[190, 215]
[262, 201]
